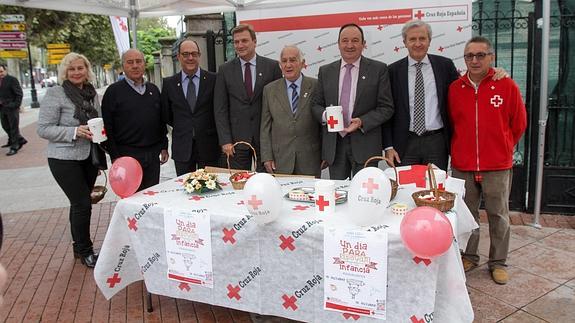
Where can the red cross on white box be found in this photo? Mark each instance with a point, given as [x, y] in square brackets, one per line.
[321, 202]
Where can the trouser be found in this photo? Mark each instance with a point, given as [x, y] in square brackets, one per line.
[243, 158]
[344, 165]
[427, 148]
[76, 178]
[494, 188]
[10, 119]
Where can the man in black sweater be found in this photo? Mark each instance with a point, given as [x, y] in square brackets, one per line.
[10, 101]
[133, 120]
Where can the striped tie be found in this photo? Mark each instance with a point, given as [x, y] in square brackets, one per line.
[294, 97]
[419, 102]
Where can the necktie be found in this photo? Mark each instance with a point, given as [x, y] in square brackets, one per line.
[345, 94]
[248, 79]
[294, 97]
[419, 102]
[191, 93]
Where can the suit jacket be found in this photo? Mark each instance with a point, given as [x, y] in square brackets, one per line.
[56, 123]
[10, 93]
[237, 116]
[199, 125]
[373, 105]
[285, 135]
[396, 130]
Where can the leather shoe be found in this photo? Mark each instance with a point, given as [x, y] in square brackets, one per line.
[6, 145]
[22, 143]
[500, 276]
[12, 152]
[467, 264]
[90, 260]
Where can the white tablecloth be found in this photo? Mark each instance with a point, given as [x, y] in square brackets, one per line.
[252, 272]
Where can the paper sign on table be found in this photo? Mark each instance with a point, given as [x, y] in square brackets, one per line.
[355, 271]
[189, 247]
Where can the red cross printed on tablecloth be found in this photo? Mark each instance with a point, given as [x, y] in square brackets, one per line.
[151, 193]
[417, 260]
[254, 202]
[300, 207]
[229, 235]
[185, 286]
[132, 224]
[347, 316]
[332, 122]
[370, 186]
[289, 301]
[233, 292]
[287, 242]
[321, 202]
[179, 180]
[112, 281]
[196, 198]
[416, 174]
[459, 28]
[241, 202]
[414, 319]
[419, 15]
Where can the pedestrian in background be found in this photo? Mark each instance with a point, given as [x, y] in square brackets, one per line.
[10, 101]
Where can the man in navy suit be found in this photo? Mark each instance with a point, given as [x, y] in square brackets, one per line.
[419, 131]
[188, 105]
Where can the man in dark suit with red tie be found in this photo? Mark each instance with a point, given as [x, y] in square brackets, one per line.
[238, 103]
[188, 106]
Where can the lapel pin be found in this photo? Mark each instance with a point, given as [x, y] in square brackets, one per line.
[305, 95]
[179, 84]
[493, 87]
[260, 74]
[150, 93]
[363, 77]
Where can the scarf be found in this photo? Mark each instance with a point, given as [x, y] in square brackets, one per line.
[83, 99]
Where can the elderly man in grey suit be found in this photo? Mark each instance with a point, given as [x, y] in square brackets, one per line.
[362, 89]
[238, 99]
[289, 135]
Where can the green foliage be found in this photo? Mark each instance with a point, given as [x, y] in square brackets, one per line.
[148, 42]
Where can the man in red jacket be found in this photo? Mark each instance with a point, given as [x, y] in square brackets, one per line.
[488, 119]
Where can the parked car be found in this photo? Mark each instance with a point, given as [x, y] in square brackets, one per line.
[49, 82]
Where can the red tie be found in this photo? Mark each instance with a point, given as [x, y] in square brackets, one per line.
[248, 79]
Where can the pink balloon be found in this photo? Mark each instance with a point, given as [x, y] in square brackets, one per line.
[125, 176]
[426, 232]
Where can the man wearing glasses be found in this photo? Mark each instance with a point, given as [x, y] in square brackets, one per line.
[488, 119]
[188, 106]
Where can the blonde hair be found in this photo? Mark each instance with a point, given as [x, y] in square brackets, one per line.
[67, 60]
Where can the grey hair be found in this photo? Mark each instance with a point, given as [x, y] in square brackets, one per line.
[67, 60]
[480, 39]
[299, 52]
[415, 23]
[132, 49]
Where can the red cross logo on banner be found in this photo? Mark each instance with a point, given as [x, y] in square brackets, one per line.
[419, 15]
[229, 235]
[355, 317]
[254, 202]
[396, 49]
[287, 242]
[322, 203]
[459, 28]
[132, 224]
[417, 260]
[112, 281]
[496, 100]
[414, 319]
[441, 49]
[380, 27]
[233, 292]
[151, 193]
[300, 207]
[415, 174]
[370, 186]
[195, 198]
[289, 302]
[332, 122]
[185, 286]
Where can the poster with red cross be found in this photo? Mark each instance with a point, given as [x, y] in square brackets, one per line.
[188, 247]
[314, 28]
[355, 272]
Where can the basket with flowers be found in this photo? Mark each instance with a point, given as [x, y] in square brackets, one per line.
[201, 181]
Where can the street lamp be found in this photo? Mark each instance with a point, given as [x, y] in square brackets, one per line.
[34, 103]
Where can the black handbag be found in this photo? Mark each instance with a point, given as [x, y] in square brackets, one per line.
[98, 156]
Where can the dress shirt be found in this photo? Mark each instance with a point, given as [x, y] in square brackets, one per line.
[290, 90]
[140, 88]
[252, 68]
[432, 116]
[354, 78]
[185, 81]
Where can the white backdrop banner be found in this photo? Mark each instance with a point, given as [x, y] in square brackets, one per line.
[120, 28]
[314, 28]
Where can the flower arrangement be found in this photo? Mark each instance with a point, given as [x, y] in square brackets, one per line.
[201, 181]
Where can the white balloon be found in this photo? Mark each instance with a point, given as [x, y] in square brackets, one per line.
[263, 197]
[368, 196]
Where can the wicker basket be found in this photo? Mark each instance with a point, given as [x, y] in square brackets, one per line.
[99, 191]
[394, 185]
[442, 205]
[235, 184]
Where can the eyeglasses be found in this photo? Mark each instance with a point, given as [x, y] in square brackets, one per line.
[480, 56]
[193, 54]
